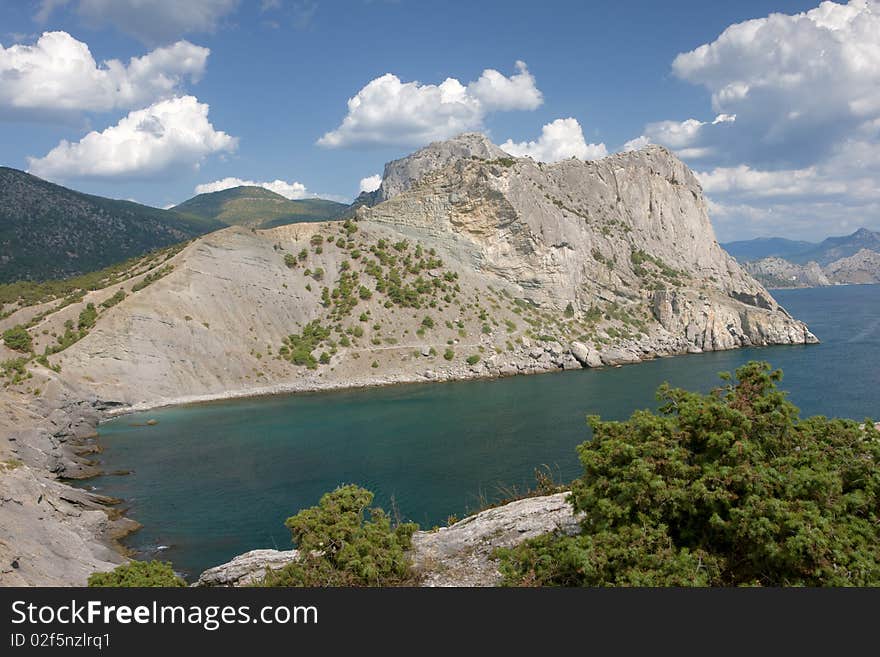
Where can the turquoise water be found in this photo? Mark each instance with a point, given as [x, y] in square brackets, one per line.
[210, 481]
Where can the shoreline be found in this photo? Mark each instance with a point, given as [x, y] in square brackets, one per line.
[285, 389]
[82, 413]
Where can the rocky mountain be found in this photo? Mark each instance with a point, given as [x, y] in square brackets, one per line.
[836, 248]
[48, 231]
[781, 263]
[468, 263]
[862, 267]
[258, 207]
[780, 273]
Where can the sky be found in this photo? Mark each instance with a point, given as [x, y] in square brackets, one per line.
[775, 105]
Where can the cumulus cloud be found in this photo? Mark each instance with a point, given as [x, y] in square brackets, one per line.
[388, 111]
[796, 83]
[167, 135]
[291, 190]
[559, 140]
[680, 136]
[796, 135]
[371, 183]
[58, 75]
[156, 21]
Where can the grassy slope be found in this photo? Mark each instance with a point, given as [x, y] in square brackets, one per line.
[258, 207]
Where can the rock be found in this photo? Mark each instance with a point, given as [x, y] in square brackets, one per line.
[585, 355]
[246, 568]
[426, 350]
[459, 555]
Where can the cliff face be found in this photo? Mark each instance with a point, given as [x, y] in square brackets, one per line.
[630, 230]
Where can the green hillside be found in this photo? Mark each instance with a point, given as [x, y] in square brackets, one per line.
[258, 207]
[51, 232]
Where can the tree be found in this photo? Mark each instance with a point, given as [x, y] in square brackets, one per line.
[724, 489]
[339, 546]
[18, 338]
[138, 574]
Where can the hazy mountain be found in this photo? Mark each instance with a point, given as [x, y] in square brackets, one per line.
[50, 231]
[258, 207]
[824, 253]
[835, 248]
[766, 247]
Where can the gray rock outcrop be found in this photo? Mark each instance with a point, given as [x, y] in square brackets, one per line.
[458, 555]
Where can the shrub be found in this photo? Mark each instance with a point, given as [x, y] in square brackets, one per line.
[569, 310]
[138, 574]
[724, 489]
[473, 360]
[449, 354]
[87, 317]
[18, 339]
[112, 301]
[290, 260]
[340, 546]
[428, 322]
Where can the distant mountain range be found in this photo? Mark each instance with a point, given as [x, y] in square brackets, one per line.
[780, 262]
[48, 231]
[258, 207]
[824, 252]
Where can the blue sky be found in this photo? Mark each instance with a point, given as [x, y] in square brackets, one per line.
[780, 117]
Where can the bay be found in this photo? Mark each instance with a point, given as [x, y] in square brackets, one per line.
[210, 481]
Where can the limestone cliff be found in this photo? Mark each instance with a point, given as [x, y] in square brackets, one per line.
[631, 230]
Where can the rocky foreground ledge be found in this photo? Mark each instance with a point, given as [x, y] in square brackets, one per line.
[458, 555]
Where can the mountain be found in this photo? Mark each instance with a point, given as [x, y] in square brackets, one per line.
[824, 253]
[258, 207]
[767, 247]
[851, 258]
[835, 248]
[862, 267]
[48, 231]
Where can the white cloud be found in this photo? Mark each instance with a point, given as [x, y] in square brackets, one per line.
[559, 140]
[58, 75]
[390, 112]
[291, 190]
[796, 83]
[151, 21]
[371, 183]
[635, 144]
[680, 136]
[149, 142]
[795, 142]
[495, 92]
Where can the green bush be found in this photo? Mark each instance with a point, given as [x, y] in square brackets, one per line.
[449, 354]
[18, 339]
[728, 488]
[428, 322]
[112, 301]
[87, 317]
[290, 260]
[138, 574]
[473, 360]
[339, 546]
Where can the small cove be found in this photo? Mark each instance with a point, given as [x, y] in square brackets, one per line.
[212, 480]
